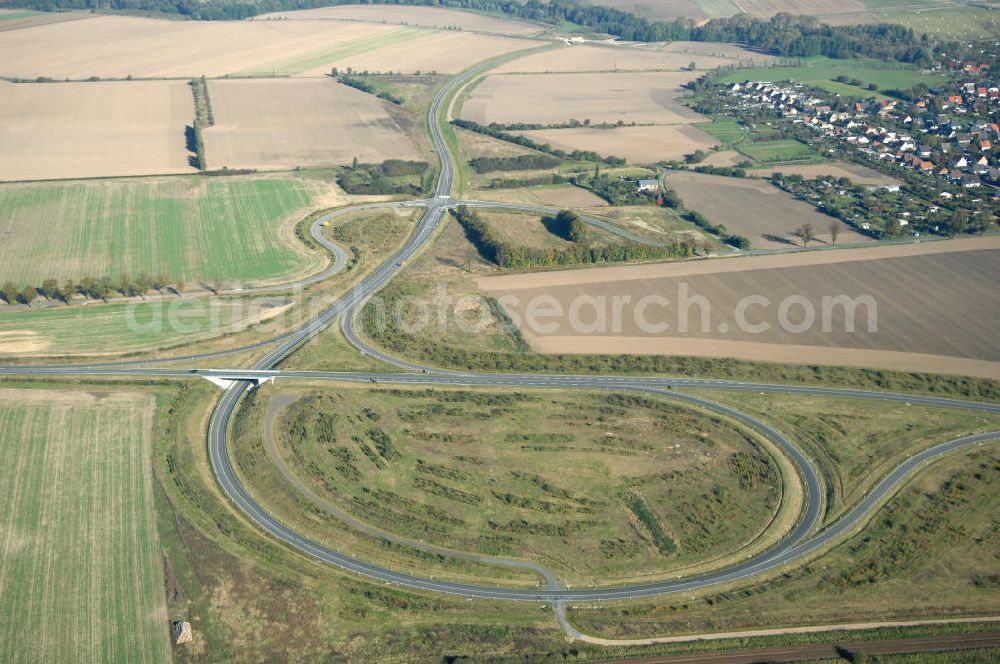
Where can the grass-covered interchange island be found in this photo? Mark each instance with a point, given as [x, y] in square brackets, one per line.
[111, 476]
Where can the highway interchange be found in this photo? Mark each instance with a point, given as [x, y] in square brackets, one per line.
[801, 541]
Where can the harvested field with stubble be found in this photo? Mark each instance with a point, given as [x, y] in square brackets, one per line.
[594, 58]
[279, 124]
[934, 307]
[77, 130]
[757, 210]
[638, 145]
[645, 98]
[438, 51]
[567, 196]
[81, 576]
[423, 17]
[557, 195]
[121, 46]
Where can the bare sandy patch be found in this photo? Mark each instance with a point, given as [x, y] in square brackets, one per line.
[757, 210]
[284, 123]
[23, 341]
[644, 98]
[856, 173]
[638, 145]
[425, 17]
[72, 398]
[931, 309]
[74, 130]
[723, 159]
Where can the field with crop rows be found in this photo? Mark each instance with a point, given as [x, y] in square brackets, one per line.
[188, 228]
[80, 566]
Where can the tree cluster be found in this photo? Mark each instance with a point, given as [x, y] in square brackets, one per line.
[507, 255]
[569, 226]
[393, 176]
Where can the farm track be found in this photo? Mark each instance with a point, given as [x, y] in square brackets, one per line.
[802, 540]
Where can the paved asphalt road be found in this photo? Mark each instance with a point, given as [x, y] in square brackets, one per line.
[801, 541]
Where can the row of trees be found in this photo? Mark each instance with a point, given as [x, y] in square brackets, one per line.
[203, 118]
[497, 131]
[100, 288]
[524, 162]
[806, 233]
[366, 86]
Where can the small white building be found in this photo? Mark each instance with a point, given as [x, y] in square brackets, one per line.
[647, 185]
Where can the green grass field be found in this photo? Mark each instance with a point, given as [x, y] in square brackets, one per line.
[727, 131]
[191, 228]
[820, 71]
[778, 151]
[350, 47]
[719, 8]
[16, 14]
[653, 487]
[939, 18]
[80, 569]
[115, 328]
